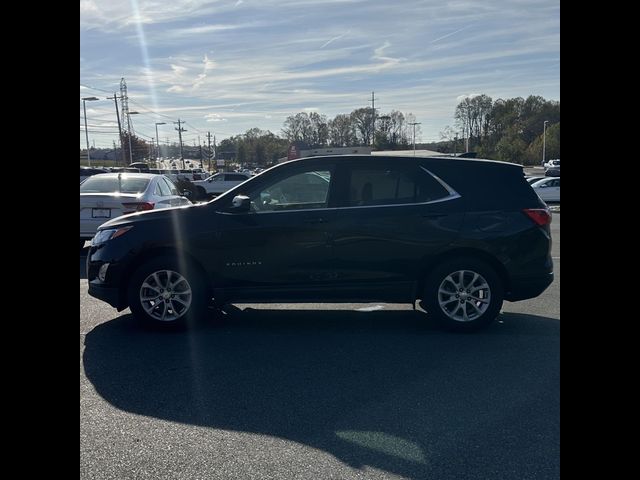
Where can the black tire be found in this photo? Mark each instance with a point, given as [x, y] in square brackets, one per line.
[478, 304]
[168, 270]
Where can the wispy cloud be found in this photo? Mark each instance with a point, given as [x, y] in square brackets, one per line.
[329, 42]
[449, 34]
[251, 64]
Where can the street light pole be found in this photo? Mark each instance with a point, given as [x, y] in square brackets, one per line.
[86, 132]
[414, 135]
[158, 142]
[544, 141]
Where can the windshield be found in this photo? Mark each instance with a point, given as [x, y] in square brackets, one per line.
[98, 184]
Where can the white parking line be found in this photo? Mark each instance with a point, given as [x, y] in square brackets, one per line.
[370, 309]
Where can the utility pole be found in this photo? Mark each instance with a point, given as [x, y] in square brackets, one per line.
[209, 148]
[200, 146]
[158, 142]
[215, 153]
[115, 99]
[86, 130]
[373, 126]
[544, 141]
[180, 130]
[414, 135]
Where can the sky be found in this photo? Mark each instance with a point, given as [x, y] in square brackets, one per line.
[228, 66]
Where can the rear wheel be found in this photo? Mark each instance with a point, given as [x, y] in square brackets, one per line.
[464, 294]
[164, 294]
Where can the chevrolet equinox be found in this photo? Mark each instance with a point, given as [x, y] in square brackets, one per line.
[457, 235]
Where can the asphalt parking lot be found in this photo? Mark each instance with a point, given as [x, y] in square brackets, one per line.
[356, 391]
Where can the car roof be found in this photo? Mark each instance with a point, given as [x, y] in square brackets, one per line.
[129, 174]
[444, 160]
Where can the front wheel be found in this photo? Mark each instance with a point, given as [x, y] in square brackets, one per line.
[167, 295]
[464, 294]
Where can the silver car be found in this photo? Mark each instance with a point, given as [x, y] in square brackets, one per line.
[108, 195]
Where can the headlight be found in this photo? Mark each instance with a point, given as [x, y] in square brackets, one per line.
[109, 234]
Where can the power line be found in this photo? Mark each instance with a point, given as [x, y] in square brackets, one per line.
[149, 110]
[95, 88]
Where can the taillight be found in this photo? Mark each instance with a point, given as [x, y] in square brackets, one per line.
[137, 207]
[541, 216]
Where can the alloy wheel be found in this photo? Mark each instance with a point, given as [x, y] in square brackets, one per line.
[165, 295]
[464, 295]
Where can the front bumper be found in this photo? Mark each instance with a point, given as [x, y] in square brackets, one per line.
[111, 295]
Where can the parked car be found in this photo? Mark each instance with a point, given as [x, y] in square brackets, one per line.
[198, 174]
[548, 189]
[458, 235]
[532, 180]
[141, 166]
[552, 172]
[109, 195]
[86, 172]
[219, 183]
[552, 163]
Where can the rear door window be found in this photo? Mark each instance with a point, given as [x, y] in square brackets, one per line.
[173, 190]
[389, 184]
[164, 188]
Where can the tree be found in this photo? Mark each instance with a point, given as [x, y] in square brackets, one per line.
[450, 135]
[511, 148]
[139, 148]
[472, 117]
[341, 131]
[362, 119]
[533, 155]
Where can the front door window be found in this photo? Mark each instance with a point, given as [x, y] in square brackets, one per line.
[300, 191]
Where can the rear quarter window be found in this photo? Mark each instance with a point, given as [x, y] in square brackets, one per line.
[486, 185]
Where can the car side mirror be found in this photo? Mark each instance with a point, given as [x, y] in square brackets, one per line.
[241, 204]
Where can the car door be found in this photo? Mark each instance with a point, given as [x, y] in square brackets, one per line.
[175, 198]
[553, 191]
[283, 242]
[549, 191]
[393, 217]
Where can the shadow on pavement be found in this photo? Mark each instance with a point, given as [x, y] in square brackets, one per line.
[384, 389]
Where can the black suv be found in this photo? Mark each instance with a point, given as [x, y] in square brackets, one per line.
[459, 235]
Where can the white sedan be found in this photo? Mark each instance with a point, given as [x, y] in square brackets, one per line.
[109, 195]
[548, 189]
[555, 163]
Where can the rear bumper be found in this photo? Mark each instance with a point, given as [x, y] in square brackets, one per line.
[523, 288]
